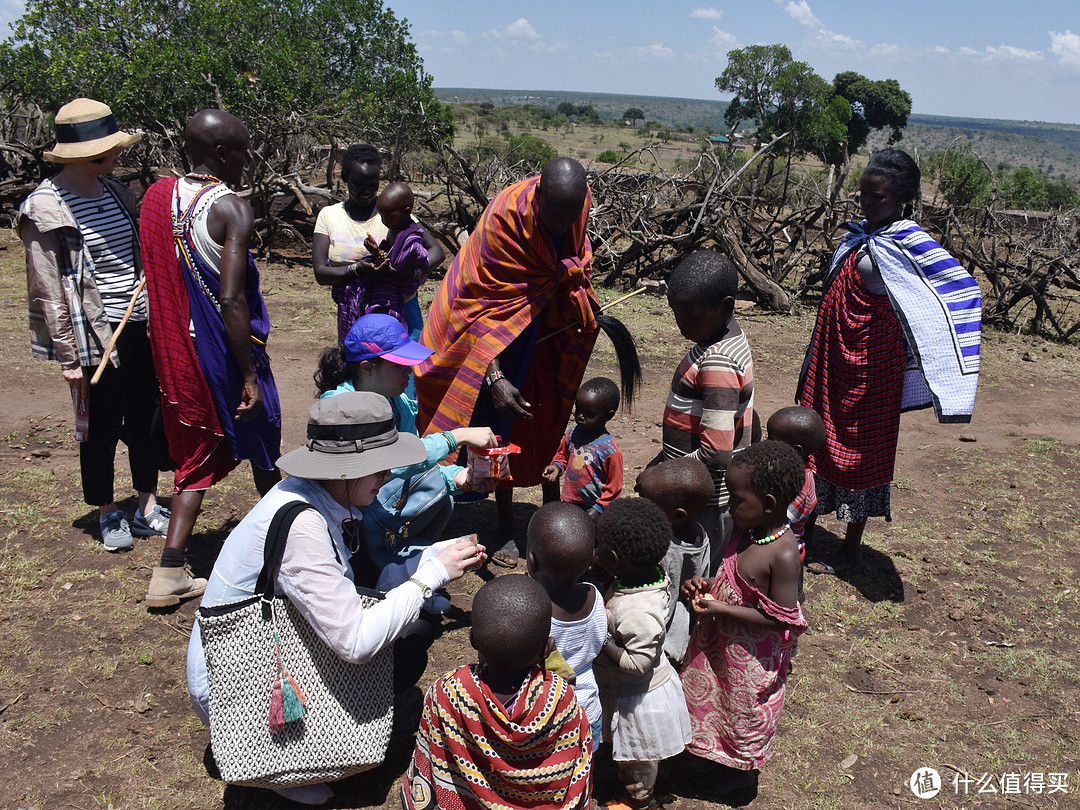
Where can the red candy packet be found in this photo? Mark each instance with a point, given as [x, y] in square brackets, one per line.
[491, 463]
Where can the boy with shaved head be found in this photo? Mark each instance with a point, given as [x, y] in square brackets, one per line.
[208, 330]
[561, 544]
[502, 732]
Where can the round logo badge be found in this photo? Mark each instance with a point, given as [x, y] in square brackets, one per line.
[925, 783]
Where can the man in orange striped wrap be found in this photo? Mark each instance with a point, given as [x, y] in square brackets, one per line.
[500, 358]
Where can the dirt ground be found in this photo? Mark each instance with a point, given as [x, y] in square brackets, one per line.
[954, 648]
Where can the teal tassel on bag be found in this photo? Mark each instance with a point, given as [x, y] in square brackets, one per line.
[293, 702]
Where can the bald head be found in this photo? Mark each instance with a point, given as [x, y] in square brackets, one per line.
[511, 622]
[217, 141]
[561, 539]
[561, 194]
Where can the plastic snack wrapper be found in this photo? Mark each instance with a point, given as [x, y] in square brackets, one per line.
[490, 463]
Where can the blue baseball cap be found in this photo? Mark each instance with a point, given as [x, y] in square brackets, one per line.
[379, 335]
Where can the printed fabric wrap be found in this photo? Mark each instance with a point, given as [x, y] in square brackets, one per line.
[734, 673]
[939, 306]
[473, 752]
[509, 276]
[371, 293]
[206, 386]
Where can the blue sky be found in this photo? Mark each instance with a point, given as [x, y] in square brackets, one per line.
[993, 59]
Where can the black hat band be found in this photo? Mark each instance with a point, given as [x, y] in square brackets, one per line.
[87, 130]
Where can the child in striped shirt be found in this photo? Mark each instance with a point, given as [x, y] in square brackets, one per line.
[710, 407]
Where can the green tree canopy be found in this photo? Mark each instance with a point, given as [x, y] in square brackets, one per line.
[633, 115]
[875, 105]
[1024, 188]
[782, 95]
[291, 69]
[530, 151]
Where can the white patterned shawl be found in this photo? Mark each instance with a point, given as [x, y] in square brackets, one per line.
[939, 306]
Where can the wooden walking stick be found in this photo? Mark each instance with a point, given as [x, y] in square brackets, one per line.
[638, 291]
[117, 331]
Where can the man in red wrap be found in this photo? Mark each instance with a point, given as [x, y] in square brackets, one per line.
[208, 327]
[513, 325]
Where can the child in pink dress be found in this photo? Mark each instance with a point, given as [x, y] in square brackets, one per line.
[748, 619]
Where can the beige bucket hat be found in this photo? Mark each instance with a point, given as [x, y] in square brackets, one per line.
[87, 129]
[349, 436]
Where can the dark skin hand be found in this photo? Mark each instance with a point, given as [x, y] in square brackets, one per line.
[507, 399]
[231, 223]
[772, 569]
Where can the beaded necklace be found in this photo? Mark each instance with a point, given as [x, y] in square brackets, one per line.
[209, 178]
[620, 583]
[764, 541]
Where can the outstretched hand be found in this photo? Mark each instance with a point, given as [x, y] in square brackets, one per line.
[695, 587]
[478, 437]
[508, 401]
[461, 555]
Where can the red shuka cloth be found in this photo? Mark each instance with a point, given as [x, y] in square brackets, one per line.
[509, 274]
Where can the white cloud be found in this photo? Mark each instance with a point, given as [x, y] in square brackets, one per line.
[520, 30]
[722, 41]
[706, 13]
[657, 50]
[1066, 47]
[459, 37]
[1003, 54]
[800, 12]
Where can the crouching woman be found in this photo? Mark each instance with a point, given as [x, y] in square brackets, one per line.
[351, 443]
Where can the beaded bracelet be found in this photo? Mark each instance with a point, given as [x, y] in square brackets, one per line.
[493, 377]
[451, 442]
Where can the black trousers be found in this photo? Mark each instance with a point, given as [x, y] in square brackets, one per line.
[125, 405]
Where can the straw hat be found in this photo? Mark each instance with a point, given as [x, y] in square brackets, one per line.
[349, 436]
[86, 129]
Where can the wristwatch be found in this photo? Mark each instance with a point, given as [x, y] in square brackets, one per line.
[425, 590]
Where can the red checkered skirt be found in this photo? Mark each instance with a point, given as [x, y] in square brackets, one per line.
[854, 379]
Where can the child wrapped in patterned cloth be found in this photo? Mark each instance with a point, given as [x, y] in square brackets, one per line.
[502, 732]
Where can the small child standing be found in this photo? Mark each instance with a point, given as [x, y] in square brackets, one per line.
[560, 550]
[748, 619]
[502, 732]
[588, 458]
[681, 488]
[803, 429]
[710, 407]
[645, 716]
[401, 261]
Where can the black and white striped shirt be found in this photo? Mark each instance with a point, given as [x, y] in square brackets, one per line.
[108, 232]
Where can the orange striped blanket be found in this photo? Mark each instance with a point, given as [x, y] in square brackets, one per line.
[508, 276]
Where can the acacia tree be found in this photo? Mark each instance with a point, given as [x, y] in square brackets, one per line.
[782, 95]
[296, 71]
[633, 115]
[875, 105]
